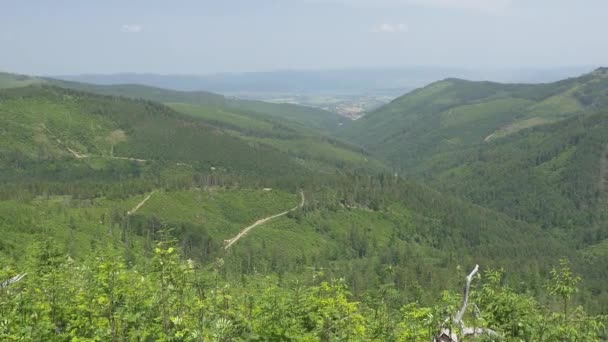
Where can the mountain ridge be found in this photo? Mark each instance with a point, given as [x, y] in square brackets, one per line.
[455, 113]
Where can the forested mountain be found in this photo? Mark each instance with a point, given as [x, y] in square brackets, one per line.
[552, 175]
[64, 142]
[536, 152]
[286, 128]
[453, 114]
[121, 212]
[307, 116]
[42, 123]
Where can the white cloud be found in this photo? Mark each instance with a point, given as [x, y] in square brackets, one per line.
[474, 5]
[390, 28]
[478, 5]
[131, 28]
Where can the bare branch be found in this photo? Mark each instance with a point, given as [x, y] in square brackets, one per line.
[446, 335]
[465, 297]
[12, 280]
[478, 332]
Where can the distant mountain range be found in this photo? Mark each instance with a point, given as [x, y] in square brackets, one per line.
[393, 81]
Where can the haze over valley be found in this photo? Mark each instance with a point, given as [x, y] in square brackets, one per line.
[304, 170]
[348, 92]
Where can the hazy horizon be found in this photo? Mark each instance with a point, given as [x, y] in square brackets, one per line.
[365, 81]
[574, 67]
[70, 37]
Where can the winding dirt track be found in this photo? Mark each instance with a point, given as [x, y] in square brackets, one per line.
[76, 154]
[228, 243]
[79, 155]
[140, 204]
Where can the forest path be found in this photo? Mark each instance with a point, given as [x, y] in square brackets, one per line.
[79, 155]
[76, 154]
[129, 158]
[228, 243]
[140, 204]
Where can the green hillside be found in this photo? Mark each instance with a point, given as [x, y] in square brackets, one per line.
[59, 142]
[13, 80]
[535, 152]
[307, 116]
[553, 175]
[301, 132]
[119, 211]
[50, 123]
[455, 114]
[391, 242]
[357, 230]
[319, 119]
[310, 147]
[311, 117]
[143, 92]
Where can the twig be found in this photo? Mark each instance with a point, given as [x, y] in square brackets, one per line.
[446, 334]
[12, 280]
[465, 297]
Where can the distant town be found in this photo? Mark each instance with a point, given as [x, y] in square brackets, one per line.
[351, 106]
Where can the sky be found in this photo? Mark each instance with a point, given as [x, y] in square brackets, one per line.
[50, 37]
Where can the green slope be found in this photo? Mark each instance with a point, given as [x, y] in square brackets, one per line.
[298, 131]
[535, 152]
[74, 164]
[144, 92]
[301, 132]
[312, 149]
[13, 81]
[310, 117]
[320, 274]
[351, 227]
[46, 124]
[553, 174]
[454, 114]
[69, 143]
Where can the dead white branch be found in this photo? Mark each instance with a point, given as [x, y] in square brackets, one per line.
[478, 332]
[12, 280]
[465, 296]
[447, 335]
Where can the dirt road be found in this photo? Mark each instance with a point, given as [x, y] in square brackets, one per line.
[228, 243]
[140, 204]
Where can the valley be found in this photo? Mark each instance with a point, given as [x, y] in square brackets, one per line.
[248, 200]
[303, 171]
